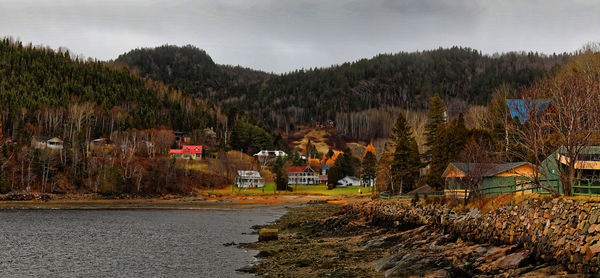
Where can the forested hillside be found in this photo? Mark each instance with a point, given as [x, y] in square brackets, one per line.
[40, 87]
[48, 93]
[406, 80]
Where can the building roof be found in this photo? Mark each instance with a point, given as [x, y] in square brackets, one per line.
[325, 167]
[520, 108]
[188, 149]
[484, 169]
[350, 178]
[295, 169]
[248, 174]
[44, 138]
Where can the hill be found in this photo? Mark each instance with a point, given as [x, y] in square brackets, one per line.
[461, 76]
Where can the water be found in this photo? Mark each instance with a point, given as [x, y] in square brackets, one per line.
[128, 243]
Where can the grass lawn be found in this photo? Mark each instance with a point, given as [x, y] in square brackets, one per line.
[299, 189]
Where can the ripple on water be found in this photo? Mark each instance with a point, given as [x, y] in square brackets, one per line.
[128, 243]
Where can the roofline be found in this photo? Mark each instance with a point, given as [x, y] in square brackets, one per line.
[517, 165]
[521, 163]
[448, 167]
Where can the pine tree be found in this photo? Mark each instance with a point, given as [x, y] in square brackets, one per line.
[347, 164]
[436, 118]
[448, 144]
[333, 176]
[281, 179]
[406, 161]
[369, 166]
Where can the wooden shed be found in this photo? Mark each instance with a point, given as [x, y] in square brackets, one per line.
[490, 178]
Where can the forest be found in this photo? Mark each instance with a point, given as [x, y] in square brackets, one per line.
[51, 93]
[461, 76]
[434, 104]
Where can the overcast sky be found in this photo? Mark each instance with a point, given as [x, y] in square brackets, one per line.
[281, 35]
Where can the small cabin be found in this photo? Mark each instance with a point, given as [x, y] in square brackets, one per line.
[101, 143]
[45, 142]
[348, 181]
[249, 179]
[191, 152]
[489, 178]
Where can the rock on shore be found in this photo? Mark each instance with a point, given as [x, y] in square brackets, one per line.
[385, 239]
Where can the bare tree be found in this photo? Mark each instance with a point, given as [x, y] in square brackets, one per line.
[567, 126]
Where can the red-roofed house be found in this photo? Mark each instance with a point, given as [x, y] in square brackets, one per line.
[302, 175]
[193, 152]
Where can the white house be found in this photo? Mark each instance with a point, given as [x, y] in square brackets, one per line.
[44, 142]
[248, 179]
[368, 182]
[348, 181]
[270, 154]
[302, 175]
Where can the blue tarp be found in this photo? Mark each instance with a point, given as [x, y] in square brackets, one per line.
[520, 108]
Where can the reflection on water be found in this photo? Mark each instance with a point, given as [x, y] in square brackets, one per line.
[127, 243]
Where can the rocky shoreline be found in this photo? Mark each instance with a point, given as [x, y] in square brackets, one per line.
[385, 239]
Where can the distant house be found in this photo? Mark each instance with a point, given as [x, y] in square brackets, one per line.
[267, 157]
[248, 179]
[302, 175]
[193, 152]
[101, 143]
[325, 168]
[182, 137]
[348, 181]
[368, 182]
[45, 142]
[522, 109]
[323, 179]
[270, 154]
[489, 178]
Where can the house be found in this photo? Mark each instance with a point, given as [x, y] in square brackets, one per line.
[368, 182]
[323, 179]
[348, 181]
[248, 179]
[270, 154]
[522, 109]
[182, 137]
[192, 152]
[587, 171]
[489, 178]
[45, 142]
[325, 168]
[266, 157]
[101, 143]
[302, 175]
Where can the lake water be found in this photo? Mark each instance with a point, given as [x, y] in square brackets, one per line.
[128, 243]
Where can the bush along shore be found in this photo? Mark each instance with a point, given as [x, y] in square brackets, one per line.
[527, 238]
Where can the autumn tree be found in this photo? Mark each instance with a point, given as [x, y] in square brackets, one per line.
[567, 127]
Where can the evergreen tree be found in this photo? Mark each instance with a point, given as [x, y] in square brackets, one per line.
[449, 143]
[436, 117]
[406, 161]
[347, 164]
[281, 179]
[333, 175]
[369, 166]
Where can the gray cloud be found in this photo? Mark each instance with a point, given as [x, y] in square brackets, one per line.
[279, 36]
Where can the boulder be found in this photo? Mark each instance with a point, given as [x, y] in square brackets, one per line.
[267, 234]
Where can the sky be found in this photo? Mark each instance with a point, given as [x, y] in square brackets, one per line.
[280, 35]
